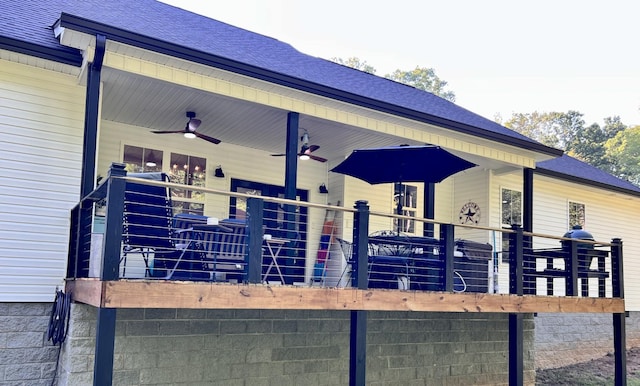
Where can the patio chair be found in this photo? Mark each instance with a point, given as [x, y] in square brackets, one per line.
[229, 250]
[147, 230]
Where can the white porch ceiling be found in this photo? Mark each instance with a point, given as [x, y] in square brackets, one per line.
[156, 105]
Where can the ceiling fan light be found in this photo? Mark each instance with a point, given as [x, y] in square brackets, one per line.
[304, 157]
[189, 135]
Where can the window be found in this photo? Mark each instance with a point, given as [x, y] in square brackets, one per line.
[139, 159]
[406, 196]
[576, 214]
[511, 214]
[187, 170]
[511, 207]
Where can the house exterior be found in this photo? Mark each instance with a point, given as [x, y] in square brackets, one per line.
[84, 83]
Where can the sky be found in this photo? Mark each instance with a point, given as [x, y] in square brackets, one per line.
[498, 56]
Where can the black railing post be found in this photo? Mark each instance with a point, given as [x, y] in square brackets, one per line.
[113, 222]
[446, 252]
[619, 328]
[361, 245]
[358, 321]
[516, 261]
[572, 268]
[617, 276]
[255, 215]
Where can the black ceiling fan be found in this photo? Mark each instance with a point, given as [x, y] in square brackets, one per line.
[190, 129]
[306, 150]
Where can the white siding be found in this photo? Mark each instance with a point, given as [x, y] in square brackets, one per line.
[608, 215]
[41, 115]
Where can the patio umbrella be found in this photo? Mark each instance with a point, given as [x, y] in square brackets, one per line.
[398, 164]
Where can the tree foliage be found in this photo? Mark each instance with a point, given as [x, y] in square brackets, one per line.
[356, 63]
[425, 79]
[624, 149]
[550, 128]
[422, 78]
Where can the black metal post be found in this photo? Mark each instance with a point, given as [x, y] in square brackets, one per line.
[446, 253]
[619, 328]
[572, 269]
[516, 350]
[255, 211]
[358, 324]
[106, 323]
[429, 208]
[290, 184]
[516, 261]
[361, 245]
[91, 118]
[358, 348]
[516, 327]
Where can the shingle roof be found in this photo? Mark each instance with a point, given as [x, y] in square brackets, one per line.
[573, 169]
[168, 25]
[28, 23]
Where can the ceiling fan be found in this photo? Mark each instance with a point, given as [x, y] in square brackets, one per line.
[190, 129]
[306, 150]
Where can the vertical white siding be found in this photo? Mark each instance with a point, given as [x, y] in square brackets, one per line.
[41, 124]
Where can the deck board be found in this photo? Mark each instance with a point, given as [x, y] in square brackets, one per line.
[176, 294]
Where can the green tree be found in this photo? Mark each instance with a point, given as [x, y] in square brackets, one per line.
[356, 63]
[423, 78]
[624, 151]
[550, 128]
[588, 144]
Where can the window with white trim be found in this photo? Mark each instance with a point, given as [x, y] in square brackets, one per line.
[576, 214]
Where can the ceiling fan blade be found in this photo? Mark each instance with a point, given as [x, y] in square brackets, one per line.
[312, 148]
[316, 158]
[207, 138]
[278, 155]
[167, 132]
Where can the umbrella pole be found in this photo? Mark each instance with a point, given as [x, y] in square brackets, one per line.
[399, 209]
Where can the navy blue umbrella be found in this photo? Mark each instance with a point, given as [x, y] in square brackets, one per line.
[398, 164]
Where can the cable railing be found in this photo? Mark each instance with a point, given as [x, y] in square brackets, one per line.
[128, 228]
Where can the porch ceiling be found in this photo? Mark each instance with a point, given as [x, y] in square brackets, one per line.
[157, 105]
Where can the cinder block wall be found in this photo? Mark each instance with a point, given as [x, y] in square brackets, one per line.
[262, 347]
[564, 339]
[26, 356]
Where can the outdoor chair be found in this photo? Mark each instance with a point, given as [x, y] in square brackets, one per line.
[147, 231]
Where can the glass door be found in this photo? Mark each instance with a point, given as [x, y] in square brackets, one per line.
[280, 221]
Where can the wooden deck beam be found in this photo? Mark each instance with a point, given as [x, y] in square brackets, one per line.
[176, 294]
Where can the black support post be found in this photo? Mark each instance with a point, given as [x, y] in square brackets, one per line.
[255, 211]
[619, 328]
[358, 325]
[106, 323]
[516, 327]
[290, 188]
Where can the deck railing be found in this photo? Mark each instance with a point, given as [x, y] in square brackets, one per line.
[270, 240]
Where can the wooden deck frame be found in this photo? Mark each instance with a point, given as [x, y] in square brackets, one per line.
[153, 294]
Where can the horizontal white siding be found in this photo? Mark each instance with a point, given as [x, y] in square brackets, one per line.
[608, 215]
[41, 115]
